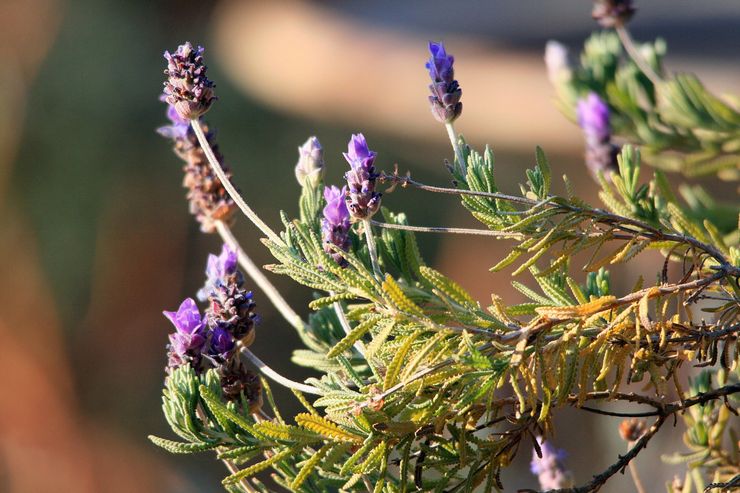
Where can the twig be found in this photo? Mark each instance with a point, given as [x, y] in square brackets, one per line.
[255, 273]
[636, 56]
[635, 475]
[233, 193]
[276, 377]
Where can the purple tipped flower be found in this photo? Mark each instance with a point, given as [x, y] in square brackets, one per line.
[209, 200]
[222, 266]
[549, 468]
[187, 87]
[446, 92]
[335, 224]
[362, 200]
[593, 117]
[221, 345]
[310, 167]
[612, 13]
[179, 127]
[189, 337]
[218, 271]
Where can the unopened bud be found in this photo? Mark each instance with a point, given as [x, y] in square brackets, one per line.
[310, 167]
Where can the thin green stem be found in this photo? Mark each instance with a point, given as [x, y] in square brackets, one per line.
[276, 377]
[621, 223]
[456, 147]
[233, 193]
[461, 231]
[255, 273]
[636, 56]
[372, 249]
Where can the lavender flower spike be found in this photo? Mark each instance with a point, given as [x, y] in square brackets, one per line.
[209, 200]
[362, 200]
[189, 337]
[335, 224]
[187, 88]
[593, 117]
[310, 167]
[446, 92]
[549, 468]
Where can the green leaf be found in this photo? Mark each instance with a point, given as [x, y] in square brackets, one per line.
[182, 447]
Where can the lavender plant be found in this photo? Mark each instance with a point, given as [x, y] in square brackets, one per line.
[422, 387]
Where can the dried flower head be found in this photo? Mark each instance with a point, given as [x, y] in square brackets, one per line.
[238, 381]
[632, 429]
[593, 117]
[362, 199]
[549, 467]
[187, 87]
[446, 92]
[335, 223]
[310, 167]
[612, 13]
[209, 200]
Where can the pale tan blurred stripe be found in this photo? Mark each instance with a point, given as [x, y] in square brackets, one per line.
[309, 60]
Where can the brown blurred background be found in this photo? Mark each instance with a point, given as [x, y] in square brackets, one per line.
[95, 238]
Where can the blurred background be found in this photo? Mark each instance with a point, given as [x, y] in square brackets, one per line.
[96, 241]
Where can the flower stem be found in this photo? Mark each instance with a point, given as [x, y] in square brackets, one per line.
[372, 249]
[456, 147]
[345, 326]
[233, 193]
[276, 377]
[633, 472]
[636, 56]
[255, 273]
[462, 231]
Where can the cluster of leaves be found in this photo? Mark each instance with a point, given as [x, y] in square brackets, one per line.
[425, 389]
[680, 125]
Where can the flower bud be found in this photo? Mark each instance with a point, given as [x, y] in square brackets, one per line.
[556, 61]
[612, 13]
[362, 200]
[593, 117]
[310, 167]
[335, 223]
